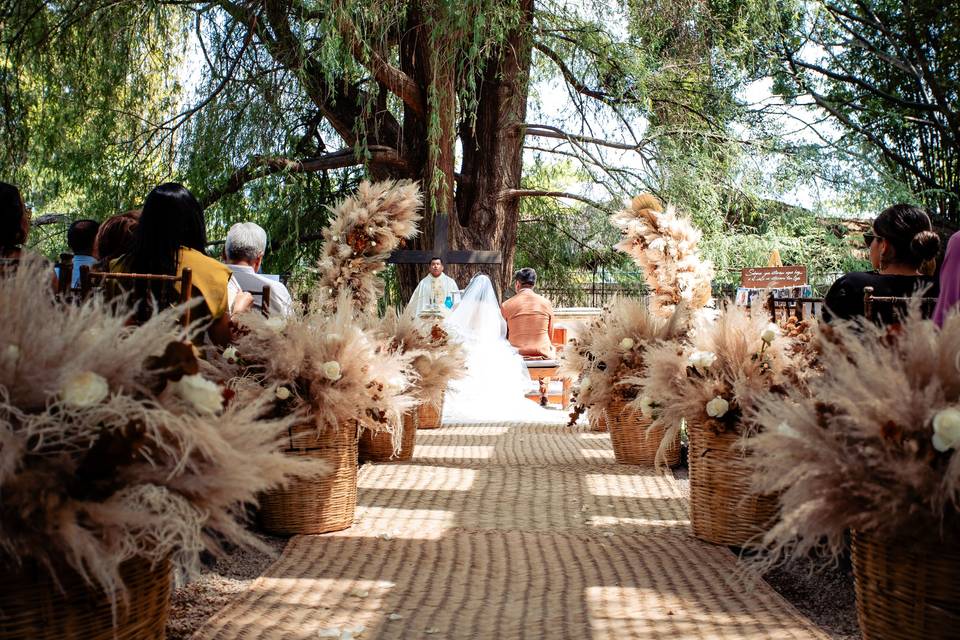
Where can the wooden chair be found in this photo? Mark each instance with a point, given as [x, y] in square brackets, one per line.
[791, 306]
[875, 306]
[543, 371]
[140, 283]
[65, 276]
[264, 300]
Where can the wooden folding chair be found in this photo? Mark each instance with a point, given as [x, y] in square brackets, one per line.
[876, 307]
[140, 283]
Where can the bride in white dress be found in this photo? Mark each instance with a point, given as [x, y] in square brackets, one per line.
[497, 380]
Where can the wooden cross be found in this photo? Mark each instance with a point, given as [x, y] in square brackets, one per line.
[441, 249]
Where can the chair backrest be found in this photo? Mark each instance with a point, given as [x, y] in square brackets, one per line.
[264, 300]
[65, 275]
[141, 284]
[888, 307]
[559, 338]
[791, 306]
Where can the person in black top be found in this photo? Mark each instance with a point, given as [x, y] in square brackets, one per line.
[901, 241]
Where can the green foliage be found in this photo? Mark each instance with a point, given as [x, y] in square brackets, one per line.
[79, 91]
[887, 72]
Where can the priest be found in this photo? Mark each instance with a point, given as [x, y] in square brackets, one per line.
[436, 291]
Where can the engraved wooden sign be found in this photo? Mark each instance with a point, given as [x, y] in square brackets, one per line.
[773, 277]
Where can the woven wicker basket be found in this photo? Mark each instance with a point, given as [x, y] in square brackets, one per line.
[723, 510]
[378, 447]
[316, 505]
[905, 593]
[430, 416]
[632, 442]
[34, 607]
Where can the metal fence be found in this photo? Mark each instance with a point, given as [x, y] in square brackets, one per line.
[594, 294]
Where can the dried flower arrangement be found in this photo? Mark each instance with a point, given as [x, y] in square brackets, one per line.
[330, 363]
[113, 446]
[609, 354]
[366, 228]
[714, 378]
[664, 245]
[435, 358]
[872, 446]
[329, 368]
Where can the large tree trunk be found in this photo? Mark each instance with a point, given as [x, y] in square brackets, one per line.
[493, 159]
[480, 218]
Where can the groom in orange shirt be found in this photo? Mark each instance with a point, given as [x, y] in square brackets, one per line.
[529, 318]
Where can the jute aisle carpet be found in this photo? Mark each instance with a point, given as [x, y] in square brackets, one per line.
[509, 531]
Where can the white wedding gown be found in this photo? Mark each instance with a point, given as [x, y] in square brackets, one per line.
[497, 380]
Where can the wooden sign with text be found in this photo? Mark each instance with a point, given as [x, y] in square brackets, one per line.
[773, 277]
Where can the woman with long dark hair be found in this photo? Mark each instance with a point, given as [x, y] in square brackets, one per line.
[901, 241]
[14, 222]
[171, 235]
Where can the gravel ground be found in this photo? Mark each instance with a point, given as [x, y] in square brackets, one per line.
[216, 585]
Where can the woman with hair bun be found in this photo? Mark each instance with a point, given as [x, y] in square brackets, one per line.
[900, 243]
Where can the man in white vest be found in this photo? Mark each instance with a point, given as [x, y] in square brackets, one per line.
[436, 291]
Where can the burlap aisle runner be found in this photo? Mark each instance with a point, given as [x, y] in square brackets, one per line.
[509, 531]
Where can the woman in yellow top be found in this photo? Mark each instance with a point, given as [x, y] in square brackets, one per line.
[172, 235]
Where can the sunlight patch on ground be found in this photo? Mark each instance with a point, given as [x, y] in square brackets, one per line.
[651, 485]
[408, 477]
[321, 605]
[453, 452]
[391, 523]
[613, 521]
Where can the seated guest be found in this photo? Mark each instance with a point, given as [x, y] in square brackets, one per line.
[170, 236]
[14, 222]
[80, 238]
[529, 317]
[115, 236]
[949, 281]
[244, 249]
[901, 240]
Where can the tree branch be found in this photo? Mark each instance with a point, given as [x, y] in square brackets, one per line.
[262, 166]
[510, 194]
[395, 80]
[548, 131]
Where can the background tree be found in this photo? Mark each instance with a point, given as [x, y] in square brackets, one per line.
[888, 73]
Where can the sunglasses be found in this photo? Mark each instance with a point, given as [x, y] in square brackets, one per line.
[868, 239]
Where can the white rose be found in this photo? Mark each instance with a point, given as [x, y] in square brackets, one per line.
[331, 369]
[658, 245]
[203, 394]
[11, 354]
[717, 407]
[702, 360]
[282, 393]
[946, 429]
[230, 354]
[584, 384]
[769, 333]
[275, 324]
[627, 343]
[785, 429]
[85, 390]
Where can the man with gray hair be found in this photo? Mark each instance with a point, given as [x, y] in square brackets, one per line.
[245, 246]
